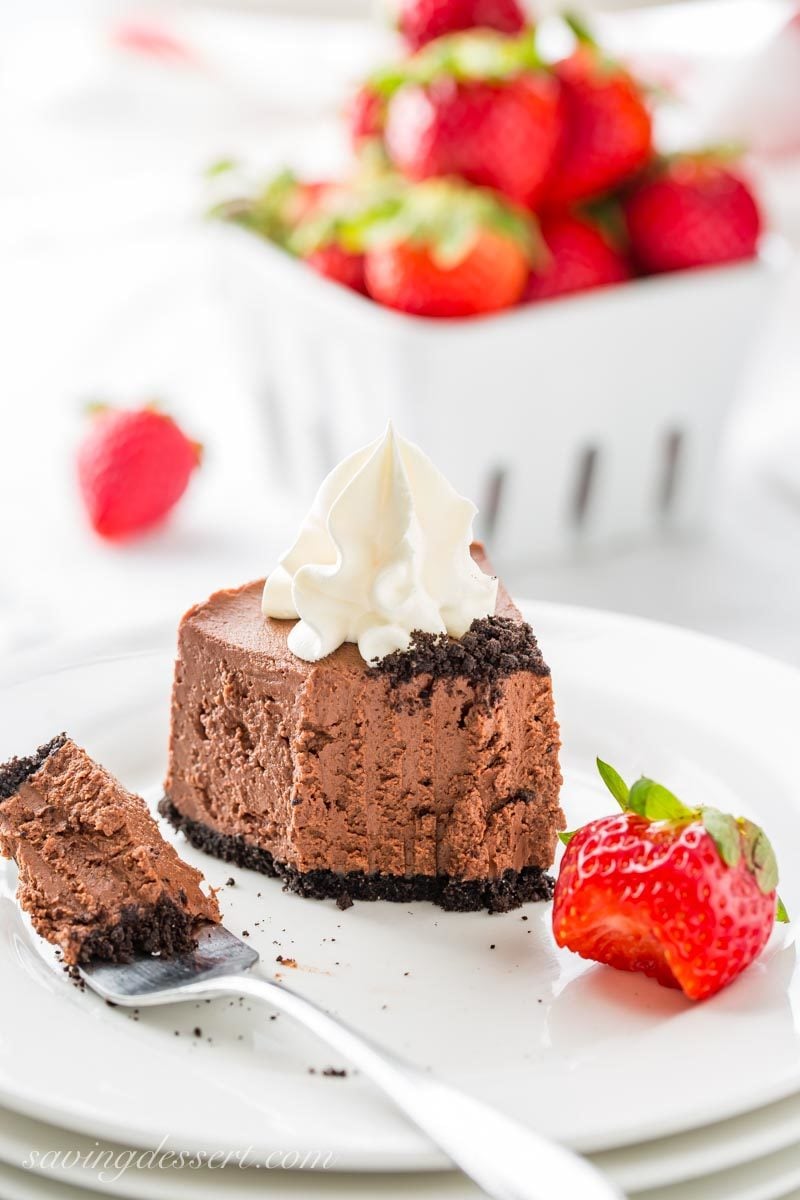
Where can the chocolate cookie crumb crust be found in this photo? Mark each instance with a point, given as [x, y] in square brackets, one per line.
[14, 773]
[161, 928]
[508, 891]
[491, 649]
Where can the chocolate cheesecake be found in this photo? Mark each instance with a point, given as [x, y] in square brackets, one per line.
[95, 874]
[429, 774]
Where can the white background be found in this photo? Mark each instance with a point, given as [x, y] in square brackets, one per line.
[107, 289]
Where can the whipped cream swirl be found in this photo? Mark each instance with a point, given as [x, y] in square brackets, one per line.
[383, 552]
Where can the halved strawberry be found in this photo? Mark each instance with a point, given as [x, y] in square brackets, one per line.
[687, 896]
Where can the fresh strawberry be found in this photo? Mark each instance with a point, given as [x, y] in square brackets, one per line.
[489, 277]
[450, 251]
[336, 263]
[366, 116]
[420, 21]
[133, 467]
[687, 896]
[475, 105]
[692, 211]
[580, 256]
[606, 126]
[332, 237]
[277, 210]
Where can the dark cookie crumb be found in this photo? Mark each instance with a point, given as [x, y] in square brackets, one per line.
[14, 773]
[230, 881]
[491, 649]
[508, 891]
[335, 1072]
[160, 928]
[197, 1031]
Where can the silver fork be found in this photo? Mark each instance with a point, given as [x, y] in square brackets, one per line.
[506, 1160]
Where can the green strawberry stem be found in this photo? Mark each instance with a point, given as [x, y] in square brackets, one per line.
[734, 837]
[469, 57]
[581, 30]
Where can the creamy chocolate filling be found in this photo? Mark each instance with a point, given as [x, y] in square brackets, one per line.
[419, 769]
[95, 874]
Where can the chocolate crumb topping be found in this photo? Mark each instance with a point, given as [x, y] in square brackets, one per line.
[491, 649]
[14, 773]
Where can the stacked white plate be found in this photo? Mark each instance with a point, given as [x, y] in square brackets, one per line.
[672, 1099]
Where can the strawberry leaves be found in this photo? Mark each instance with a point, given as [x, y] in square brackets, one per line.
[724, 833]
[759, 856]
[472, 56]
[615, 783]
[652, 800]
[734, 838]
[646, 797]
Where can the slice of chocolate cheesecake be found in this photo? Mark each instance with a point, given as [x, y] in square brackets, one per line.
[95, 874]
[430, 774]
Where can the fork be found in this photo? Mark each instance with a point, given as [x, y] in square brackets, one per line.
[506, 1160]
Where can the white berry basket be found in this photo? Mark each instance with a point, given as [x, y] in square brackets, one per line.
[578, 423]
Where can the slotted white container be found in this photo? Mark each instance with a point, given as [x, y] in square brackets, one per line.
[585, 421]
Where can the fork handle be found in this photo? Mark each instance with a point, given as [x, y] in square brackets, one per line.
[506, 1160]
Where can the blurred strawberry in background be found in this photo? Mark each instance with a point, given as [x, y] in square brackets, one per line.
[366, 116]
[692, 211]
[606, 127]
[336, 263]
[133, 468]
[449, 251]
[580, 255]
[479, 106]
[564, 145]
[421, 21]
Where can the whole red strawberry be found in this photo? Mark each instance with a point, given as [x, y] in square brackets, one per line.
[420, 21]
[338, 264]
[479, 107]
[580, 256]
[451, 251]
[366, 116]
[133, 467]
[691, 212]
[606, 127]
[687, 896]
[278, 208]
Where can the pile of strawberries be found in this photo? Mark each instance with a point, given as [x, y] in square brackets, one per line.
[487, 177]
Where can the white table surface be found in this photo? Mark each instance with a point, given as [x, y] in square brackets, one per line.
[107, 291]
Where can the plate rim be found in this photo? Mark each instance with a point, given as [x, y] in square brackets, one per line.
[154, 637]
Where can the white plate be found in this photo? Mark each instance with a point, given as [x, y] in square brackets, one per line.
[678, 1159]
[20, 1138]
[597, 1058]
